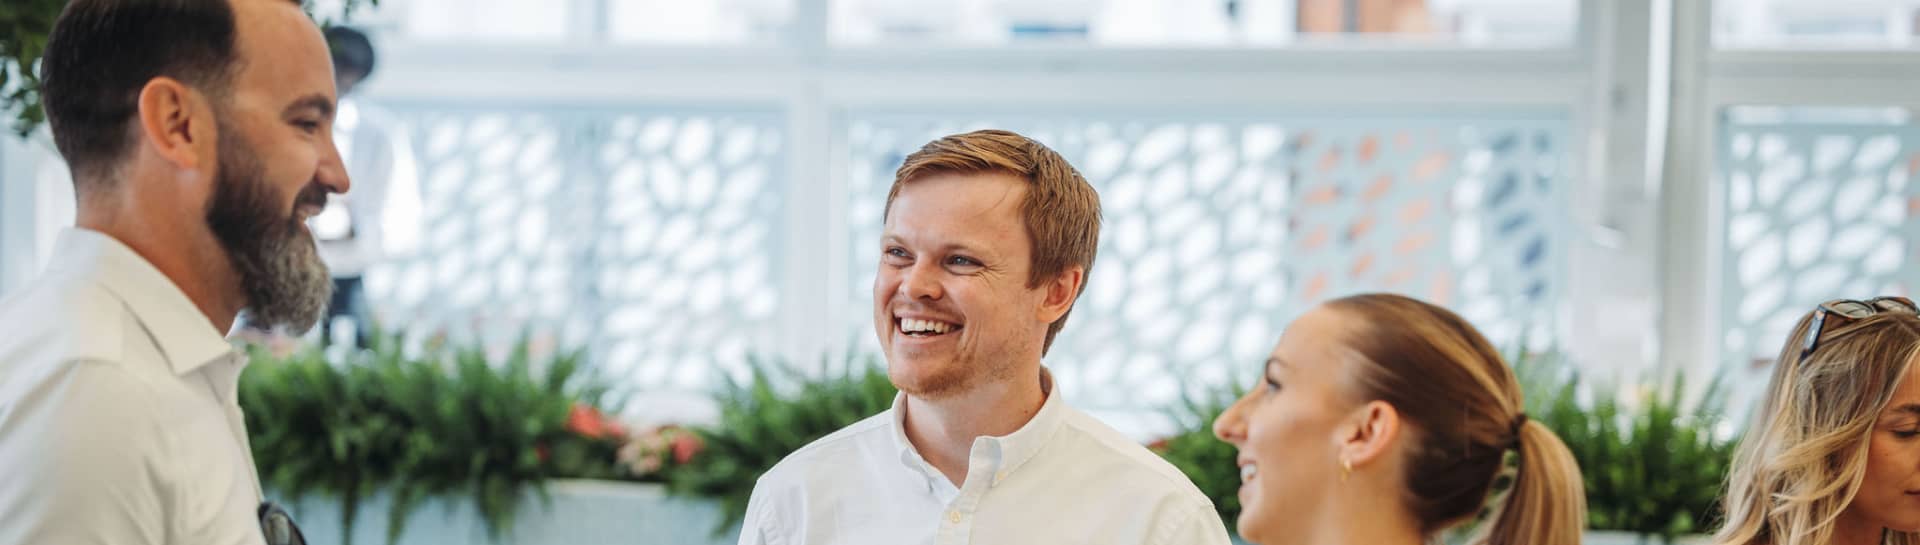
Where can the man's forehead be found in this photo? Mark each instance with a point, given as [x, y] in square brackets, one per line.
[278, 45]
[967, 194]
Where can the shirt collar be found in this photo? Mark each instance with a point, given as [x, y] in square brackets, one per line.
[1009, 451]
[186, 337]
[908, 456]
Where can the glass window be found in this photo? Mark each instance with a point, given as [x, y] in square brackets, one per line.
[488, 20]
[1204, 23]
[672, 22]
[1872, 24]
[647, 236]
[710, 22]
[1218, 232]
[1819, 205]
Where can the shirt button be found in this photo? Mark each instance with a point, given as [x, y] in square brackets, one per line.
[1000, 477]
[953, 516]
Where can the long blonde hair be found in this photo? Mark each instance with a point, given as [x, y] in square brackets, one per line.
[1805, 452]
[1465, 405]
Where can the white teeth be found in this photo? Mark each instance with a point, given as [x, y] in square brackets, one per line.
[1246, 473]
[909, 325]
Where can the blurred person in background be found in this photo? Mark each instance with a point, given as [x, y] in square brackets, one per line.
[1832, 456]
[1365, 17]
[1386, 420]
[349, 229]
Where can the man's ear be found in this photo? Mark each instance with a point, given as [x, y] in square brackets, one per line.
[1062, 290]
[175, 121]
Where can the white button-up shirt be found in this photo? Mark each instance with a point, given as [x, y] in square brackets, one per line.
[1063, 478]
[118, 423]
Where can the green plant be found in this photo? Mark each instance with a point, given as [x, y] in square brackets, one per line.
[768, 417]
[1653, 467]
[24, 28]
[481, 428]
[1206, 460]
[439, 424]
[320, 429]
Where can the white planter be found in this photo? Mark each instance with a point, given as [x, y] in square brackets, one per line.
[1624, 538]
[583, 512]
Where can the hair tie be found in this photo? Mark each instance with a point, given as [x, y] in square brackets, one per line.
[1519, 422]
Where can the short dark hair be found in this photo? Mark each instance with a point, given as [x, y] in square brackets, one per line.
[352, 51]
[102, 52]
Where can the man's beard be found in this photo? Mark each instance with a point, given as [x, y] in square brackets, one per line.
[970, 365]
[284, 280]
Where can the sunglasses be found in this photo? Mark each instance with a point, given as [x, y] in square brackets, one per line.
[278, 526]
[1842, 311]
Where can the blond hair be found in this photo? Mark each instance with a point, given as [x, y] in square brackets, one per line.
[1061, 211]
[1805, 453]
[1465, 408]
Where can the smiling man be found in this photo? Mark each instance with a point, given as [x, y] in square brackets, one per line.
[199, 137]
[988, 240]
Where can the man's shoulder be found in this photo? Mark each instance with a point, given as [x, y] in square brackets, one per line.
[65, 346]
[61, 318]
[1123, 461]
[836, 453]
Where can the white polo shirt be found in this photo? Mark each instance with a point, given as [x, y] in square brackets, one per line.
[118, 421]
[1063, 478]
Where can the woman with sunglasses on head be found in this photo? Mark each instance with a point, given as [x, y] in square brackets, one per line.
[1385, 420]
[1833, 454]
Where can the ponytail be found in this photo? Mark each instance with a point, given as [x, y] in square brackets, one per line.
[1547, 503]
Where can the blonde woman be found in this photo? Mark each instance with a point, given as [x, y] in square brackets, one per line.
[1384, 420]
[1833, 454]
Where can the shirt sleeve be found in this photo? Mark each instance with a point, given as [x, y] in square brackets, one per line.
[1193, 526]
[79, 461]
[758, 527]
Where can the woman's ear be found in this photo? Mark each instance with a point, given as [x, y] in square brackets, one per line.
[1369, 434]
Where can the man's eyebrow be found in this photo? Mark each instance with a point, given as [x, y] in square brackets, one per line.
[317, 101]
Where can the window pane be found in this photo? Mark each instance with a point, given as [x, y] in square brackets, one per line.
[1878, 24]
[496, 20]
[1217, 232]
[1204, 23]
[1816, 208]
[1820, 204]
[699, 21]
[648, 237]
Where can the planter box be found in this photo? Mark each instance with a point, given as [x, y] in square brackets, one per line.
[583, 512]
[1624, 538]
[586, 512]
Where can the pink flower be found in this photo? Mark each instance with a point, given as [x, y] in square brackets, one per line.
[654, 448]
[686, 445]
[589, 422]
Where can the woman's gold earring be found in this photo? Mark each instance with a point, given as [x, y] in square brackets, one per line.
[1346, 469]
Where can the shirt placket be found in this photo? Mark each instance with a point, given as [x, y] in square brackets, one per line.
[223, 379]
[983, 466]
